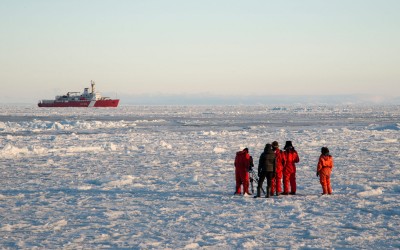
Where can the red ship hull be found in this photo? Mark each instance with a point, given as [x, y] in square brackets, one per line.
[81, 103]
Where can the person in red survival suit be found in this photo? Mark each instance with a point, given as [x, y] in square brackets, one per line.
[290, 157]
[242, 164]
[324, 170]
[277, 180]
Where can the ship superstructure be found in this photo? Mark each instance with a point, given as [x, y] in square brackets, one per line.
[77, 99]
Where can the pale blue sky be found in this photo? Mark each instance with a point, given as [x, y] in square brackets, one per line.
[188, 47]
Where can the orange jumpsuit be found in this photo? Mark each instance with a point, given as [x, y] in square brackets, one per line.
[242, 163]
[277, 180]
[289, 170]
[324, 169]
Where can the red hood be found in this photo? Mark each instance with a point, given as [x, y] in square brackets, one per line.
[241, 153]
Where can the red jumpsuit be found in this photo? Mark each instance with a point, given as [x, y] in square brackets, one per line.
[242, 163]
[289, 170]
[324, 169]
[277, 180]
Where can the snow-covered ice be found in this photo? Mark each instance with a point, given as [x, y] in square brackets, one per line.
[156, 177]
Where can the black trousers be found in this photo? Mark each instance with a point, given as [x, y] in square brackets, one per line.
[263, 175]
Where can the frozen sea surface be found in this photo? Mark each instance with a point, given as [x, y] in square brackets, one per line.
[157, 177]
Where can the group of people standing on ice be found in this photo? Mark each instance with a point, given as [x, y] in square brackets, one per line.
[276, 165]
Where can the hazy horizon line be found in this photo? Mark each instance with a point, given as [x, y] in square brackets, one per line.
[209, 99]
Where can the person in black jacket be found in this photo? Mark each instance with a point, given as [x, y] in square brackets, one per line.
[266, 169]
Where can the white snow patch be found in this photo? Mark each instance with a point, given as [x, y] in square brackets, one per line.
[165, 145]
[388, 140]
[373, 192]
[317, 143]
[110, 146]
[250, 245]
[196, 164]
[210, 133]
[133, 148]
[218, 150]
[192, 246]
[11, 150]
[10, 228]
[113, 215]
[126, 180]
[57, 226]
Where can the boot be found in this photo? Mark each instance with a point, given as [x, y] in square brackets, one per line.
[258, 192]
[324, 190]
[268, 192]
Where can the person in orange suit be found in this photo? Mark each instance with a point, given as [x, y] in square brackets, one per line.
[242, 164]
[277, 180]
[289, 168]
[324, 170]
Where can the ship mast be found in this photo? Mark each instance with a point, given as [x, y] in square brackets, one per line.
[92, 83]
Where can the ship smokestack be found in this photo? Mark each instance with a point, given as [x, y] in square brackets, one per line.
[92, 83]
